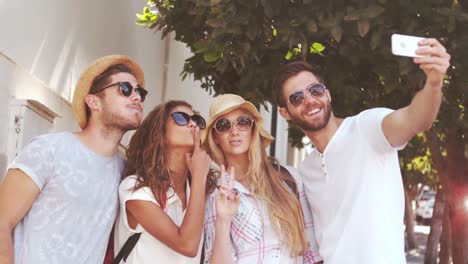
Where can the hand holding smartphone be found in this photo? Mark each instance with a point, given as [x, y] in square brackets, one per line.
[403, 45]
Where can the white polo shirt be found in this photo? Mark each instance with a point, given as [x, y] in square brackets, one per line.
[355, 191]
[148, 249]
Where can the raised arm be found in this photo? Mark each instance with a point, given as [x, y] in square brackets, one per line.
[401, 125]
[227, 202]
[17, 194]
[186, 238]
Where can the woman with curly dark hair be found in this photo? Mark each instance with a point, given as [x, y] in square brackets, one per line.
[163, 193]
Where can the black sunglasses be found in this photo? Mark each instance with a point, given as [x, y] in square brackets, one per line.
[315, 89]
[242, 122]
[126, 89]
[182, 119]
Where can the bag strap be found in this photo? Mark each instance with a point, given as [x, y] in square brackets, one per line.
[291, 182]
[127, 248]
[131, 242]
[287, 177]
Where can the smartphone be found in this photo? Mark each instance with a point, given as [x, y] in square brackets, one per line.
[403, 45]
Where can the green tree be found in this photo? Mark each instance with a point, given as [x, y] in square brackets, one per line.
[238, 46]
[416, 167]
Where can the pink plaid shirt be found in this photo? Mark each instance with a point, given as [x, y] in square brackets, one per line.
[253, 239]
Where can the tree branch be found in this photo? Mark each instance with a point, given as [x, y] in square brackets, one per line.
[434, 144]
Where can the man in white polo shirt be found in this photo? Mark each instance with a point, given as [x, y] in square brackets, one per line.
[352, 178]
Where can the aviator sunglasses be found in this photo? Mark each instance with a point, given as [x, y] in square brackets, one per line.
[224, 125]
[315, 89]
[126, 89]
[182, 119]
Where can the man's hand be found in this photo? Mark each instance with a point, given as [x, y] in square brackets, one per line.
[435, 61]
[400, 126]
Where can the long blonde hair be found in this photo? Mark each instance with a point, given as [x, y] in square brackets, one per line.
[268, 184]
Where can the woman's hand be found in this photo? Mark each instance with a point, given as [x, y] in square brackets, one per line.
[199, 161]
[227, 199]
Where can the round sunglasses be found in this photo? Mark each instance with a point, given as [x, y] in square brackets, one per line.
[126, 89]
[242, 122]
[315, 89]
[182, 119]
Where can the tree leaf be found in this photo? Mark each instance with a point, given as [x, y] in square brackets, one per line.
[451, 24]
[296, 51]
[214, 22]
[316, 48]
[294, 22]
[375, 40]
[211, 56]
[251, 32]
[167, 4]
[235, 30]
[202, 46]
[312, 26]
[141, 17]
[363, 27]
[267, 8]
[245, 46]
[337, 32]
[445, 11]
[354, 15]
[154, 17]
[275, 32]
[374, 11]
[292, 53]
[141, 23]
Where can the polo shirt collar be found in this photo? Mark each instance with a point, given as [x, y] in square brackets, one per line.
[172, 196]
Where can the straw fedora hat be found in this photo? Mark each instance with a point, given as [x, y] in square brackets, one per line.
[87, 78]
[228, 102]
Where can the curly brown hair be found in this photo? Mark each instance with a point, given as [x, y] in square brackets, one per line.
[146, 153]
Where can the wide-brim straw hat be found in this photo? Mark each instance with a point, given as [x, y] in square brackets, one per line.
[226, 103]
[86, 80]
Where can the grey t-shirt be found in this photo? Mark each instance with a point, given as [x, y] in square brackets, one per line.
[71, 219]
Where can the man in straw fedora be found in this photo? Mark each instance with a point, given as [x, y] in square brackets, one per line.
[59, 198]
[352, 178]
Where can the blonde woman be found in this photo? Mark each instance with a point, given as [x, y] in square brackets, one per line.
[255, 216]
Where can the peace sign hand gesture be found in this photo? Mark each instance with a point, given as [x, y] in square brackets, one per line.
[227, 199]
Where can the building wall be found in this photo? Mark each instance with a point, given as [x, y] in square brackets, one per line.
[47, 44]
